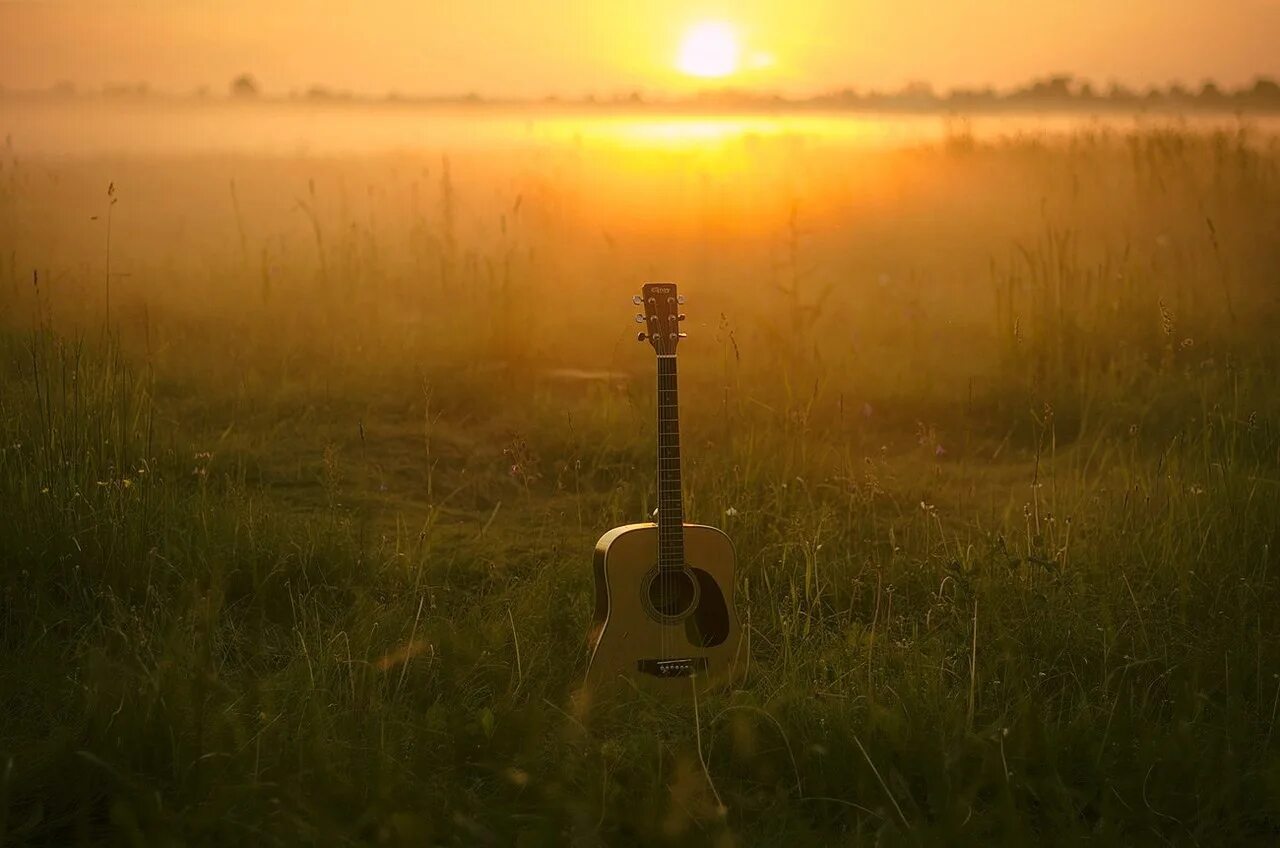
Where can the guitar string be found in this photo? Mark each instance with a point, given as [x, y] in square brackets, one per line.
[662, 575]
[670, 506]
[663, 518]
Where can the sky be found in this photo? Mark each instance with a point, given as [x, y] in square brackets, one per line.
[571, 48]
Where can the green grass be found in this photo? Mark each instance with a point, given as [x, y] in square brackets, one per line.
[295, 544]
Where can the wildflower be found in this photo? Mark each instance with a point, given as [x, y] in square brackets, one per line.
[939, 451]
[731, 512]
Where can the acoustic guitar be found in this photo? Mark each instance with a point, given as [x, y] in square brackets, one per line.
[664, 590]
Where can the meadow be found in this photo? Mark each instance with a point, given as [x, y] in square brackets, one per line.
[302, 458]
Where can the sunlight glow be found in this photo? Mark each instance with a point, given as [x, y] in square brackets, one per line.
[709, 49]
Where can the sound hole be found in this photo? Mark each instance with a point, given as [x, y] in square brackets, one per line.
[672, 593]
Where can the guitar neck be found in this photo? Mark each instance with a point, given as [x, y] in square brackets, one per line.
[670, 498]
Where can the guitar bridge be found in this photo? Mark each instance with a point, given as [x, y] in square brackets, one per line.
[677, 667]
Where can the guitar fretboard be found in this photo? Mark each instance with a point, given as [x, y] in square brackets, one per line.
[670, 503]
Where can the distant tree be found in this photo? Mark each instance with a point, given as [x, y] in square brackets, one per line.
[1057, 87]
[1265, 90]
[916, 94]
[1210, 94]
[244, 86]
[1086, 91]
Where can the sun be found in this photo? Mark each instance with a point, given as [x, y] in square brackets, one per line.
[709, 49]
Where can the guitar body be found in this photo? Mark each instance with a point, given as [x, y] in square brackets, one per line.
[657, 628]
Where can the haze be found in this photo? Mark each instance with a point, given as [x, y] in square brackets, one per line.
[515, 48]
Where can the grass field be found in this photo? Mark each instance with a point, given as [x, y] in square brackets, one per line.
[302, 460]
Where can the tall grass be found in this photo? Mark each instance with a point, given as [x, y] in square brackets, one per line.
[993, 428]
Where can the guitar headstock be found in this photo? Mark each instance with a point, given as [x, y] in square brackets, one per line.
[661, 316]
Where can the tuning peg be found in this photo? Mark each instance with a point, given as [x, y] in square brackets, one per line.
[680, 300]
[641, 336]
[682, 335]
[639, 317]
[681, 317]
[637, 299]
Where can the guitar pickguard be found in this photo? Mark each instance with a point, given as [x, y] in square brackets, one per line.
[709, 624]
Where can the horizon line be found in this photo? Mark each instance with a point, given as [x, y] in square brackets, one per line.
[1053, 86]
